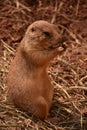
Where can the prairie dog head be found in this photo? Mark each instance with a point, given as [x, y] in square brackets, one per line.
[43, 41]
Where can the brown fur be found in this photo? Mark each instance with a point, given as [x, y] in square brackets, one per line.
[29, 87]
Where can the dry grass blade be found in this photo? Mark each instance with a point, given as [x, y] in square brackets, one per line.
[54, 16]
[60, 87]
[7, 47]
[52, 126]
[83, 78]
[57, 10]
[18, 4]
[64, 61]
[4, 126]
[64, 80]
[71, 34]
[68, 64]
[77, 87]
[77, 8]
[68, 96]
[67, 18]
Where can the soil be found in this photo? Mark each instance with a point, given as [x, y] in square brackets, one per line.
[68, 73]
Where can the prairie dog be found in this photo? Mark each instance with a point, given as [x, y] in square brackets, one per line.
[29, 86]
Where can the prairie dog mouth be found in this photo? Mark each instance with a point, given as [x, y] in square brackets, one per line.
[60, 48]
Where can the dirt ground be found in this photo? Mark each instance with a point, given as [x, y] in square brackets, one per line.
[68, 73]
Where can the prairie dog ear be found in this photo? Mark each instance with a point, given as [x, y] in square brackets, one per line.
[33, 29]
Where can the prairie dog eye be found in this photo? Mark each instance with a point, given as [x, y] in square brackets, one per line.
[47, 34]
